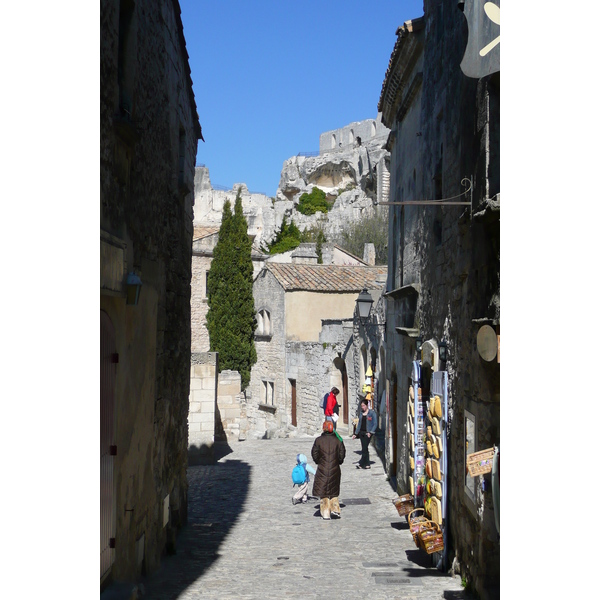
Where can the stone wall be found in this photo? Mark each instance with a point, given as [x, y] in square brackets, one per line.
[231, 422]
[200, 341]
[266, 413]
[347, 136]
[148, 139]
[317, 367]
[446, 131]
[203, 407]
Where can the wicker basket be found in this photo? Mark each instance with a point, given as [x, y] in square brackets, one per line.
[405, 504]
[416, 519]
[430, 537]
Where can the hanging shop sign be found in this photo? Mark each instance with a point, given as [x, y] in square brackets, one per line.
[488, 343]
[482, 54]
[480, 462]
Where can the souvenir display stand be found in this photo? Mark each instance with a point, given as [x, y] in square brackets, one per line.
[427, 420]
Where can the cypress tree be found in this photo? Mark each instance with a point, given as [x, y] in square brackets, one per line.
[230, 319]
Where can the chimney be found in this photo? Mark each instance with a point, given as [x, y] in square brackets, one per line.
[305, 254]
[369, 254]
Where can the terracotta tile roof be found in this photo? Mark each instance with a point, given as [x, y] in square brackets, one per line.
[327, 278]
[202, 232]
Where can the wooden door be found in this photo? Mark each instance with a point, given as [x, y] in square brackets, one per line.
[345, 395]
[294, 418]
[108, 370]
[393, 428]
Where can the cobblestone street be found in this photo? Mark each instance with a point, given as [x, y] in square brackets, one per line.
[245, 539]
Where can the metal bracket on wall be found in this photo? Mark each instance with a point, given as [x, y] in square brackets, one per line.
[468, 193]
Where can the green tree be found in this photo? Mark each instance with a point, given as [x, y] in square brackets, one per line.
[286, 238]
[231, 320]
[315, 234]
[314, 202]
[372, 230]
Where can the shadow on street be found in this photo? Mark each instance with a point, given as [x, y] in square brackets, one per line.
[216, 496]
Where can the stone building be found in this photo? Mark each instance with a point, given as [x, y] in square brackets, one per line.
[149, 133]
[304, 344]
[444, 271]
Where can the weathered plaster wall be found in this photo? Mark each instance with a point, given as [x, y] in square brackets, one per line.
[305, 310]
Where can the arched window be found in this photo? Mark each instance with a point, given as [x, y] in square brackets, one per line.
[264, 326]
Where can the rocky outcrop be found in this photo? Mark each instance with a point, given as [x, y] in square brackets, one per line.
[353, 174]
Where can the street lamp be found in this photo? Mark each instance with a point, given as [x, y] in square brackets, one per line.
[364, 303]
[133, 285]
[443, 350]
[419, 344]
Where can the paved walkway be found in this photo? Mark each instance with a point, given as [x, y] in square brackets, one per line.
[245, 539]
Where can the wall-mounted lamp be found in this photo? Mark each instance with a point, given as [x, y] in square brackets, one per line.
[443, 350]
[419, 344]
[133, 287]
[364, 303]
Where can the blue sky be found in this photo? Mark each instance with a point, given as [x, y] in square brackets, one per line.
[271, 76]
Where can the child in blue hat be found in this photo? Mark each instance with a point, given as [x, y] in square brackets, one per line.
[301, 494]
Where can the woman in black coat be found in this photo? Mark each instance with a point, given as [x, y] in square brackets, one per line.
[328, 452]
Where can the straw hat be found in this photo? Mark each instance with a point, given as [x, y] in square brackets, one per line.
[429, 448]
[437, 407]
[436, 510]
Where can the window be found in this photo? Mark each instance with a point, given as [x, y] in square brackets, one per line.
[470, 445]
[264, 325]
[269, 393]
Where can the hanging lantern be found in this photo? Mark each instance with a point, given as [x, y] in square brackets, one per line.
[133, 287]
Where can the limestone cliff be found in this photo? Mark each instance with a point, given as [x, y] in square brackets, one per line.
[351, 167]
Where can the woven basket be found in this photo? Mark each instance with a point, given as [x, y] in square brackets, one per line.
[405, 504]
[430, 537]
[416, 519]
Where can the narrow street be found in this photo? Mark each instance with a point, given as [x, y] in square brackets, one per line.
[245, 539]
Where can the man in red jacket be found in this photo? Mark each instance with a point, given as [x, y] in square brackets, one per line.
[332, 407]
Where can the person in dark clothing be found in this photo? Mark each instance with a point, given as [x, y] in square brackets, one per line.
[328, 452]
[367, 425]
